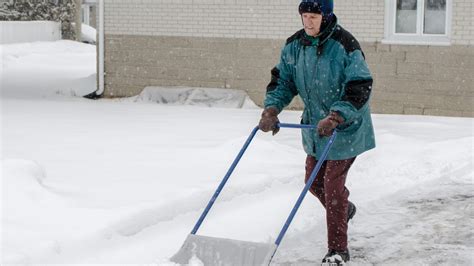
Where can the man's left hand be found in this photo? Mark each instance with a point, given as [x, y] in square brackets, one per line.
[327, 125]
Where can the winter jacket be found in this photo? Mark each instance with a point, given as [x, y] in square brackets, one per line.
[329, 73]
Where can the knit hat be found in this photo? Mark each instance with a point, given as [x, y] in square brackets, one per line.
[323, 7]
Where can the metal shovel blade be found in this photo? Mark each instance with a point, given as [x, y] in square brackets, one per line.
[224, 252]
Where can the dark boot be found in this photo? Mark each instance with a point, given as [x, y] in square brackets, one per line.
[336, 258]
[351, 211]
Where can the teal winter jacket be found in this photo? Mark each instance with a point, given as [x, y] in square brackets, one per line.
[329, 73]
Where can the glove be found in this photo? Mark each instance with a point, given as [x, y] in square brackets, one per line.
[327, 125]
[269, 120]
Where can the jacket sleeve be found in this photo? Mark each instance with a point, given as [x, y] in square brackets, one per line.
[357, 87]
[281, 89]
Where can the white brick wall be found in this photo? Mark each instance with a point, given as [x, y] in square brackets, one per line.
[267, 19]
[203, 18]
[463, 22]
[363, 18]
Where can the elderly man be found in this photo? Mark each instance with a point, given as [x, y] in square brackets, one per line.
[324, 64]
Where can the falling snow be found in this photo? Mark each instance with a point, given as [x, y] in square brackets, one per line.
[124, 181]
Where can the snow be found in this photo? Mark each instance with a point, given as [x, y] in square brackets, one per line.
[124, 181]
[42, 69]
[88, 34]
[210, 97]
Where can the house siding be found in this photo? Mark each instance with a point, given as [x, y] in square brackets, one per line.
[463, 22]
[234, 44]
[364, 18]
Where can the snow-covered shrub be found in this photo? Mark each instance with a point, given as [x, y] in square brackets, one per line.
[53, 10]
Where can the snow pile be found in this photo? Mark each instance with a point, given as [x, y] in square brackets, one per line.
[25, 184]
[24, 193]
[209, 97]
[88, 34]
[45, 69]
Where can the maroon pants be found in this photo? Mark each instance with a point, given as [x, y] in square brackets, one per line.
[329, 187]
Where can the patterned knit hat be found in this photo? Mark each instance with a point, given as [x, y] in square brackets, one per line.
[324, 7]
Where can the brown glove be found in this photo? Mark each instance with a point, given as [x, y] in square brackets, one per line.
[269, 120]
[327, 125]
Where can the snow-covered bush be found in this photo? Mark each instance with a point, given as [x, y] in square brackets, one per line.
[26, 10]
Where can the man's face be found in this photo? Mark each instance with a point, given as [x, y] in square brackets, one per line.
[312, 23]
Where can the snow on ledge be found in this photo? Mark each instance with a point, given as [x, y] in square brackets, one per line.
[209, 97]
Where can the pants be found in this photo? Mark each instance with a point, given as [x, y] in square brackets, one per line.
[329, 188]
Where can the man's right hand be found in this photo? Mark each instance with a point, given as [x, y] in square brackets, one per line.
[269, 120]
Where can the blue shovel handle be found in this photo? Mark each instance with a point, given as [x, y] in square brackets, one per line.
[231, 169]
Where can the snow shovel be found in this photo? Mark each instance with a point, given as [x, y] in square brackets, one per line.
[215, 251]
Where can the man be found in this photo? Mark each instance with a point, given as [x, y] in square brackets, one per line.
[325, 65]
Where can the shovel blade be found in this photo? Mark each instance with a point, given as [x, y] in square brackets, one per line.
[224, 252]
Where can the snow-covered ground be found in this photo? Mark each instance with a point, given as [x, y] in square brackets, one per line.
[42, 69]
[108, 181]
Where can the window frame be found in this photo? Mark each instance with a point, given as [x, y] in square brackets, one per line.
[418, 38]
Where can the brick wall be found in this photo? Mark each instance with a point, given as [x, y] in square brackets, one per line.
[363, 18]
[424, 80]
[133, 62]
[463, 22]
[263, 19]
[203, 18]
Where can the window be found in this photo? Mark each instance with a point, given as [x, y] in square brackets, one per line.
[418, 21]
[85, 14]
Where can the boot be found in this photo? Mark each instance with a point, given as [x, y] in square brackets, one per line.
[351, 211]
[336, 258]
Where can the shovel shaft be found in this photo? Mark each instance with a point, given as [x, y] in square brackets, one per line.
[232, 167]
[224, 180]
[296, 126]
